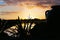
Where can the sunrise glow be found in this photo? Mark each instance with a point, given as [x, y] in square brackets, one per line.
[24, 9]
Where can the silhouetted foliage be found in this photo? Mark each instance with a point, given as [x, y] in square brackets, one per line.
[37, 33]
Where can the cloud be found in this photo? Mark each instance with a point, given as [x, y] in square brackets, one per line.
[3, 13]
[2, 6]
[39, 1]
[9, 9]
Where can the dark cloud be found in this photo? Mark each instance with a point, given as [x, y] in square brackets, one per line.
[57, 2]
[2, 6]
[39, 1]
[2, 13]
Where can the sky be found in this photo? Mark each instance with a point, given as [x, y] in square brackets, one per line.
[11, 9]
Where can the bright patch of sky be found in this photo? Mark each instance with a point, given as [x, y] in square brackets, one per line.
[2, 2]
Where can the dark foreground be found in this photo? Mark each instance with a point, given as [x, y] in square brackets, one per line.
[43, 30]
[38, 32]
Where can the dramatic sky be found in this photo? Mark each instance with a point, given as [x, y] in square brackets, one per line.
[11, 9]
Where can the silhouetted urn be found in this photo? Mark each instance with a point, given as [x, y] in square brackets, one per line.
[55, 11]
